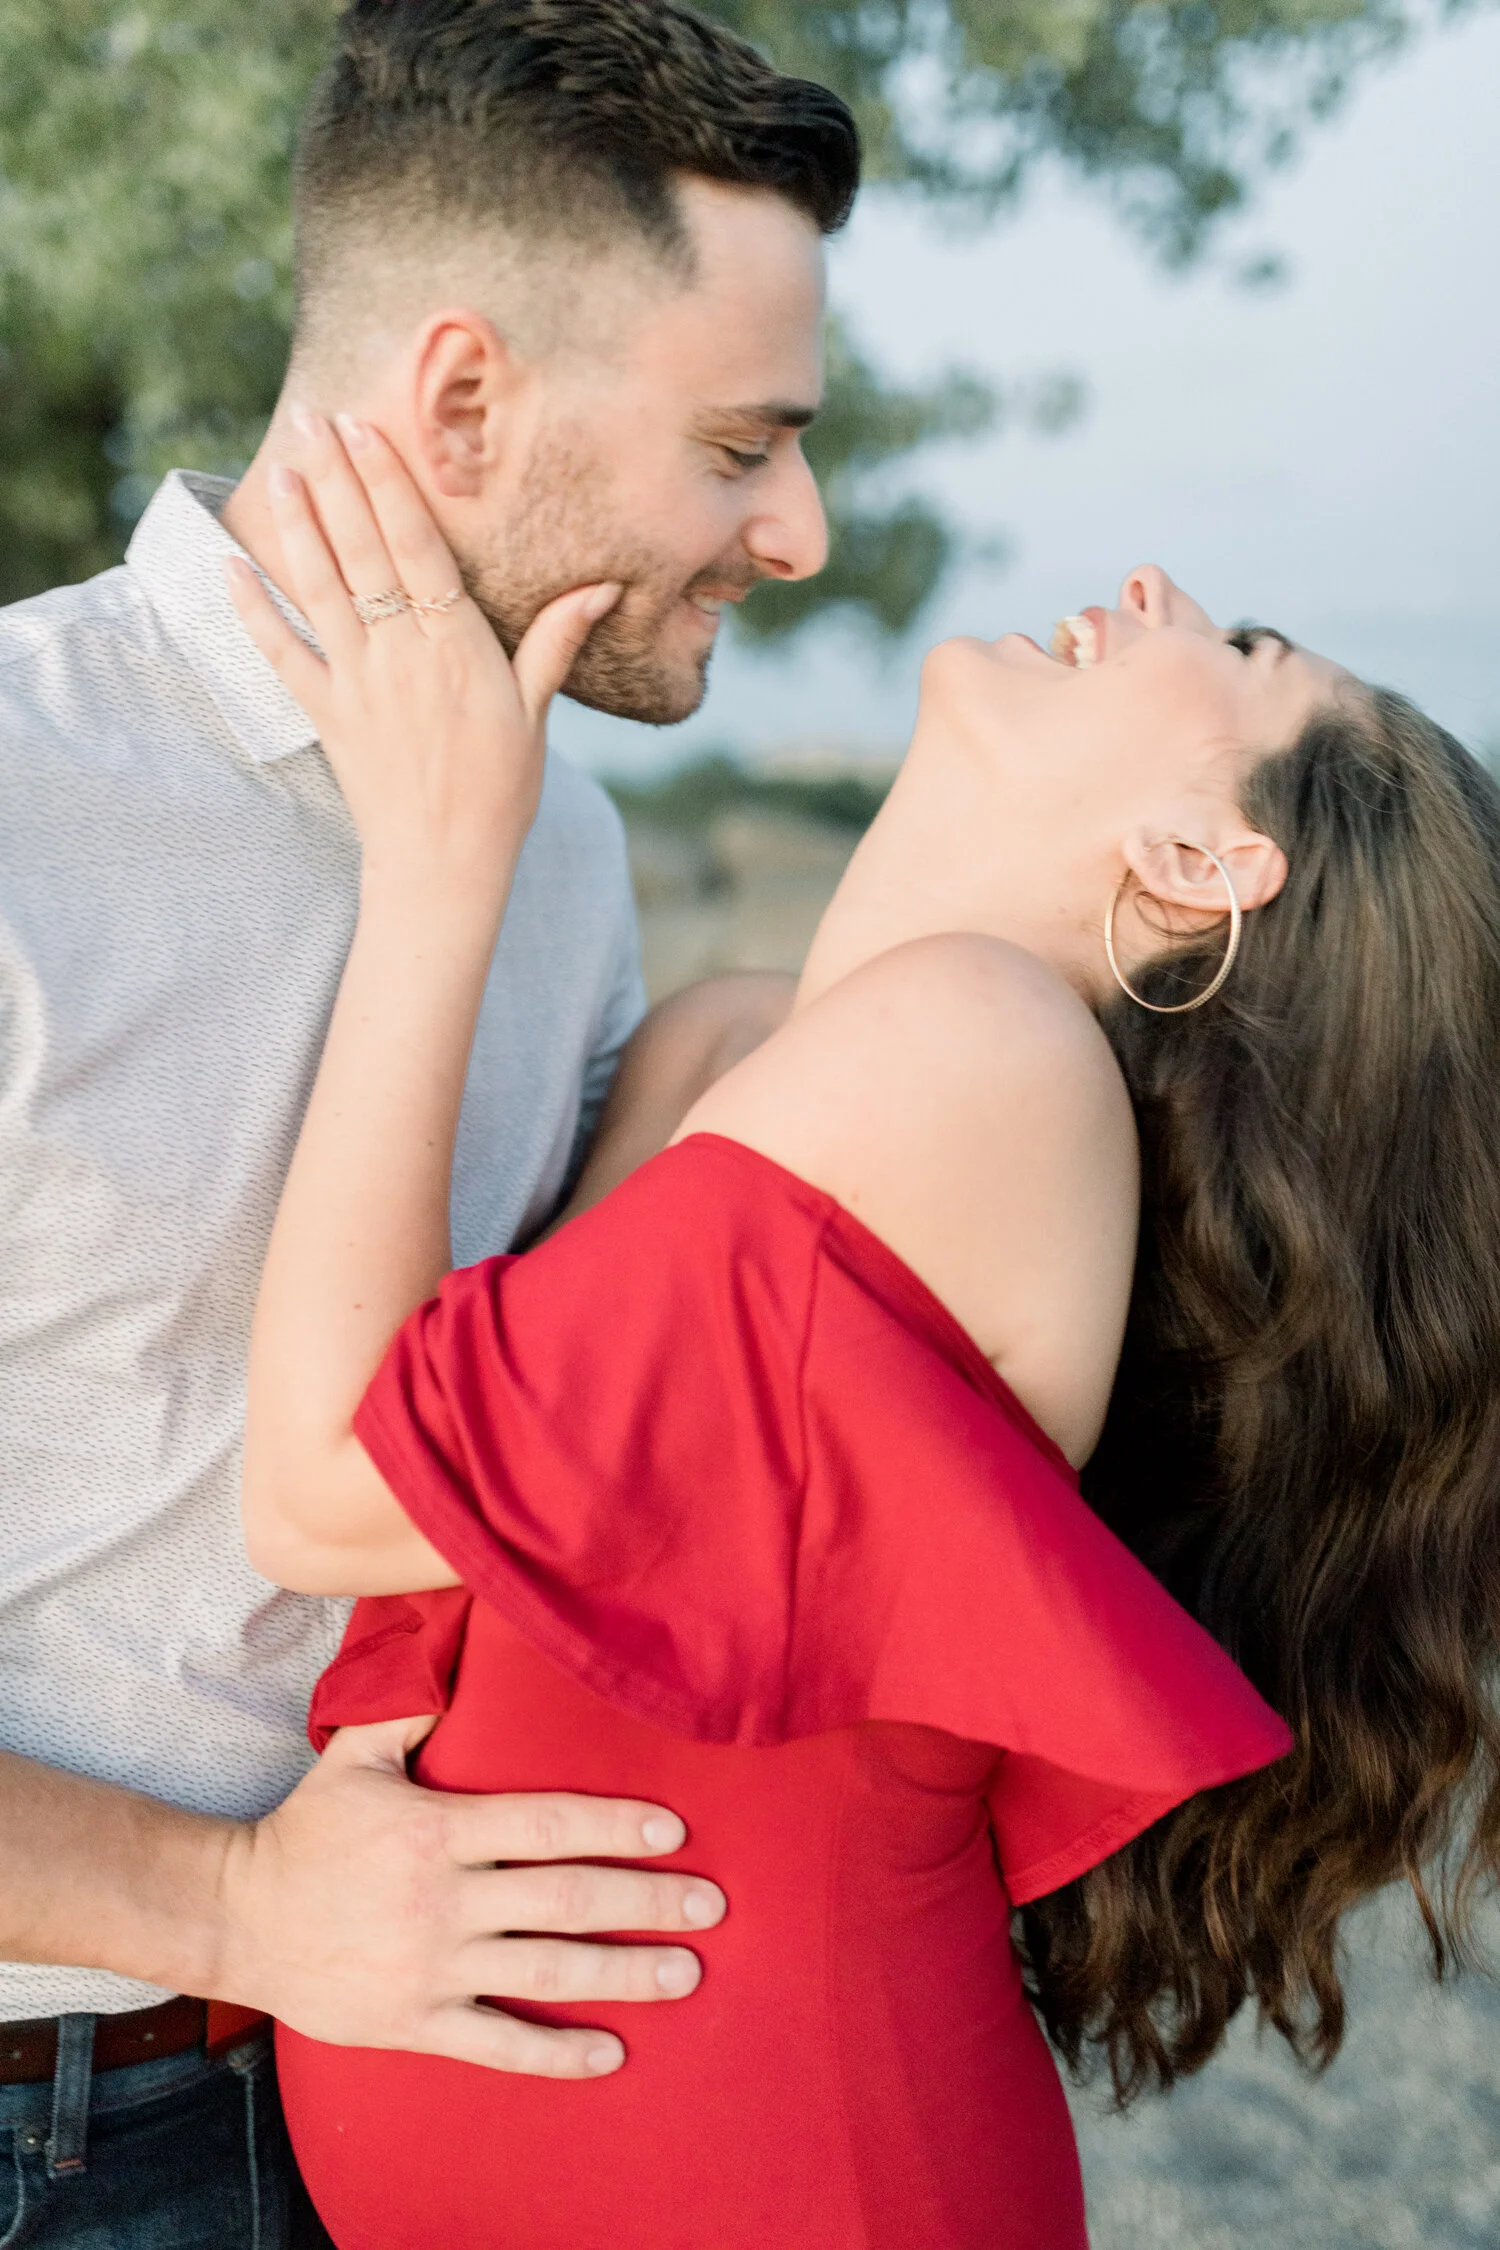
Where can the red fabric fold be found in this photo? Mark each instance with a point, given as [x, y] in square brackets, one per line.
[716, 1452]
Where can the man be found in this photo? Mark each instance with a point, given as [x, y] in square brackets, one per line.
[568, 258]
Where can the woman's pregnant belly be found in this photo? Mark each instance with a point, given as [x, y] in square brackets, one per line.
[859, 2069]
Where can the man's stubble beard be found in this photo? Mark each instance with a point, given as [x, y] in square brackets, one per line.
[560, 535]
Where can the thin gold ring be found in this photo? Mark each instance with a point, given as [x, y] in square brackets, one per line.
[373, 609]
[1236, 928]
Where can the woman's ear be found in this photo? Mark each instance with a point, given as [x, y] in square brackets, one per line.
[461, 371]
[1178, 873]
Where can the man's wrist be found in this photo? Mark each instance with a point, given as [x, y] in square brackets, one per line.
[179, 1931]
[230, 1964]
[213, 1972]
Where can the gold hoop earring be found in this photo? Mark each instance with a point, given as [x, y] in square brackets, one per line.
[1236, 927]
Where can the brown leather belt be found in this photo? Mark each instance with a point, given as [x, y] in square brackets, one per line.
[28, 2050]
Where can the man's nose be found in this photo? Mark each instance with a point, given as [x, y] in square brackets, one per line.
[788, 535]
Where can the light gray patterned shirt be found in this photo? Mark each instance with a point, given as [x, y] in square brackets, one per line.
[177, 892]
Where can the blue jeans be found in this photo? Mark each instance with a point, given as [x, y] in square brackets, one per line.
[183, 2154]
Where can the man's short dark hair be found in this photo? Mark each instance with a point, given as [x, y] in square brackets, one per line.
[558, 121]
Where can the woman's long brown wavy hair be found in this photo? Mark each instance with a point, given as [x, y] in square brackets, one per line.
[1304, 1442]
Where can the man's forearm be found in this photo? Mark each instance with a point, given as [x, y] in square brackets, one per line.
[98, 1878]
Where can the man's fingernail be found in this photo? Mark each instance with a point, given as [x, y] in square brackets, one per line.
[607, 2056]
[701, 1908]
[677, 1974]
[305, 422]
[356, 435]
[282, 481]
[663, 1833]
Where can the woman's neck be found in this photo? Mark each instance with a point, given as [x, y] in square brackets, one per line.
[949, 850]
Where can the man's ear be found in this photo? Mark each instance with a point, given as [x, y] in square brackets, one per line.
[462, 372]
[1178, 873]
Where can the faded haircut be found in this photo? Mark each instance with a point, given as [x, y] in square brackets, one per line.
[543, 126]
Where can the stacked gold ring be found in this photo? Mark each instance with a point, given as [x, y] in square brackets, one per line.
[372, 609]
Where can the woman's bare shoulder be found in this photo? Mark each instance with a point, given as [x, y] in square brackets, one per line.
[939, 1033]
[961, 1100]
[963, 980]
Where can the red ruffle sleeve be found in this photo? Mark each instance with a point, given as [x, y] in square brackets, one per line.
[720, 1455]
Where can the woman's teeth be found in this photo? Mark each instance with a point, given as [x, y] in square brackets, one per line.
[1075, 641]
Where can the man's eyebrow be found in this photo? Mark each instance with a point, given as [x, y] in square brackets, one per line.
[772, 414]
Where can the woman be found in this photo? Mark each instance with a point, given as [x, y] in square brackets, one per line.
[753, 1490]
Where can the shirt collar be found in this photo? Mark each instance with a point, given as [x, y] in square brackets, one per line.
[177, 554]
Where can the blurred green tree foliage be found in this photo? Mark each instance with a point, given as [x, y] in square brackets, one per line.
[145, 245]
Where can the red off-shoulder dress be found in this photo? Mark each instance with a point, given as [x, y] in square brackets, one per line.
[748, 1526]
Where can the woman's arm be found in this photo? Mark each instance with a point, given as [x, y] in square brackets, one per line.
[685, 1045]
[438, 744]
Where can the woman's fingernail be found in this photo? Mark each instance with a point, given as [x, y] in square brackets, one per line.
[356, 435]
[663, 1832]
[701, 1908]
[677, 1974]
[305, 422]
[605, 2057]
[600, 601]
[282, 481]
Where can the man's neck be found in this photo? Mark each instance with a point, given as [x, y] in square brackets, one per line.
[247, 516]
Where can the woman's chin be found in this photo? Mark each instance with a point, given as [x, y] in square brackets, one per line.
[944, 669]
[957, 670]
[958, 656]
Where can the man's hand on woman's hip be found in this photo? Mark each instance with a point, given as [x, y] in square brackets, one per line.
[369, 1912]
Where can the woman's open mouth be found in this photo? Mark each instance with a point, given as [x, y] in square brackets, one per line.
[1075, 641]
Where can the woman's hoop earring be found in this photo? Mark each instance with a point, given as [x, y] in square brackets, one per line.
[1236, 927]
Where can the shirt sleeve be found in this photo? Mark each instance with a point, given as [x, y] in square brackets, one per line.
[1051, 1824]
[624, 1006]
[396, 1661]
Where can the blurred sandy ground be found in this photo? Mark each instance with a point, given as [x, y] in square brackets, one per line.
[1398, 2146]
[744, 891]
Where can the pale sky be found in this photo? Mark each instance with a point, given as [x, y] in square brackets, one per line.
[1324, 456]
